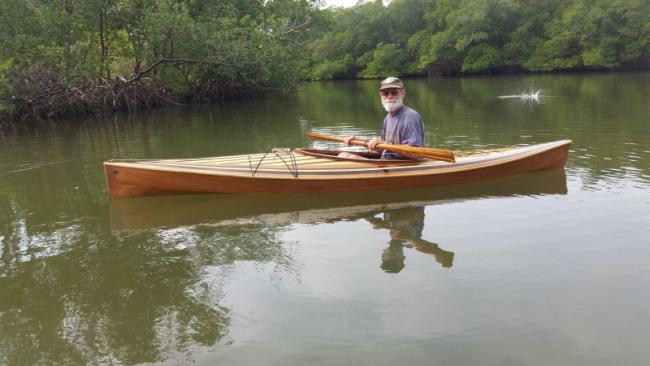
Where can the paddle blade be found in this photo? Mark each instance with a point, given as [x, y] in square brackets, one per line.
[323, 137]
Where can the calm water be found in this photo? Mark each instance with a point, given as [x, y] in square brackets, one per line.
[547, 268]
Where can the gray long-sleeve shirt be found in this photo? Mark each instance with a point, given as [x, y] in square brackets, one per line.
[405, 127]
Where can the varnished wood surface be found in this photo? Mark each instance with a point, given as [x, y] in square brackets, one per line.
[175, 211]
[284, 173]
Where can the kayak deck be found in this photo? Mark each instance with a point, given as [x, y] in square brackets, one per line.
[311, 170]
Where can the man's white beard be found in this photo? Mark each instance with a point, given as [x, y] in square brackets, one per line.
[392, 105]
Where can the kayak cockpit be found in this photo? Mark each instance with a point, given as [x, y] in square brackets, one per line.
[371, 157]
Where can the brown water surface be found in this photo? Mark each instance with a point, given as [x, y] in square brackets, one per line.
[546, 268]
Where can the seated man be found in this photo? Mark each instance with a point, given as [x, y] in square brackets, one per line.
[402, 125]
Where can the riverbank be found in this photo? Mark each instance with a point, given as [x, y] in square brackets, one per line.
[45, 98]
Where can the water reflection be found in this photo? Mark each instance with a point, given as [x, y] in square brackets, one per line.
[405, 227]
[400, 213]
[98, 297]
[105, 301]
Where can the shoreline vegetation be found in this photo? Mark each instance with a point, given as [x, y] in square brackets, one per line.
[77, 57]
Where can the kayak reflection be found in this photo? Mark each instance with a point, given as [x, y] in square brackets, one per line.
[401, 213]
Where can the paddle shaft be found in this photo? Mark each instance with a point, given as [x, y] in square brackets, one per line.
[407, 150]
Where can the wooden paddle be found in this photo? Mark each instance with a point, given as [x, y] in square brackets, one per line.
[406, 150]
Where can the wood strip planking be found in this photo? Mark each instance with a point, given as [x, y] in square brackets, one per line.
[315, 164]
[241, 159]
[129, 178]
[233, 162]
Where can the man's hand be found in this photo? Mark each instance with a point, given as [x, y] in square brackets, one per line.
[348, 139]
[373, 143]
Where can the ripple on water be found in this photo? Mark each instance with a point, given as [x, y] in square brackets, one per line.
[18, 168]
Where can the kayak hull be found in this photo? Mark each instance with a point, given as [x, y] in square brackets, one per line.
[300, 172]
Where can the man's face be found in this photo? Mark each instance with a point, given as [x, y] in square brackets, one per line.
[392, 98]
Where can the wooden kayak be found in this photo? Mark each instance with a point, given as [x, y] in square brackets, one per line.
[312, 170]
[305, 208]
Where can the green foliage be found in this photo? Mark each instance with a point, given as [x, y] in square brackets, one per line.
[480, 58]
[387, 59]
[330, 69]
[229, 48]
[476, 36]
[210, 49]
[5, 85]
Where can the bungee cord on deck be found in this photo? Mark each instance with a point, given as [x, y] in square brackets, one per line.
[278, 151]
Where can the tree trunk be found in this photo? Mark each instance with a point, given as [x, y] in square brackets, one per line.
[102, 42]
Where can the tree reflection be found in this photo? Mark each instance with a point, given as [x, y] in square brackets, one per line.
[98, 297]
